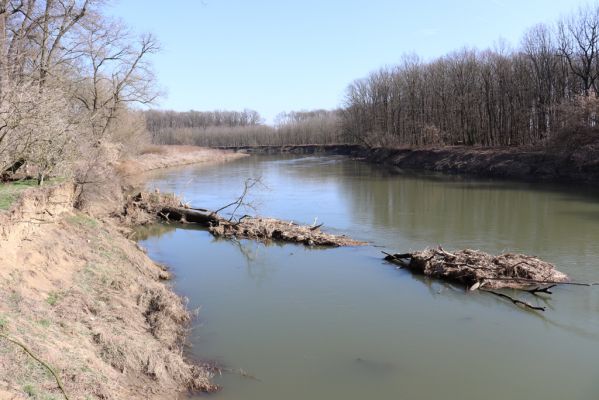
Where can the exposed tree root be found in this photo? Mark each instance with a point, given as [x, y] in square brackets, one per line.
[217, 369]
[36, 358]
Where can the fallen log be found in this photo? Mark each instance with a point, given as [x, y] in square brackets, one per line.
[170, 208]
[189, 215]
[12, 169]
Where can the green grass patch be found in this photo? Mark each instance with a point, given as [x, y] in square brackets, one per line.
[44, 322]
[9, 192]
[83, 220]
[3, 322]
[53, 298]
[30, 390]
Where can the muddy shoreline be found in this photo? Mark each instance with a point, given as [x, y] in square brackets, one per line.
[529, 164]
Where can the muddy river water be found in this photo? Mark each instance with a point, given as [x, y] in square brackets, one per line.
[343, 324]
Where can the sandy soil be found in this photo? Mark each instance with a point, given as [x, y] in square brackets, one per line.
[156, 157]
[88, 301]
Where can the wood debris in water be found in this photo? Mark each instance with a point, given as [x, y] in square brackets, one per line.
[481, 271]
[169, 208]
[267, 229]
[477, 269]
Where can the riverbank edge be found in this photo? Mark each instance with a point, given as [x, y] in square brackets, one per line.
[528, 164]
[88, 301]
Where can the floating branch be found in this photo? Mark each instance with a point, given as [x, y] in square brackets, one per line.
[537, 290]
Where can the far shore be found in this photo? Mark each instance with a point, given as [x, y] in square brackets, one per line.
[519, 163]
[166, 156]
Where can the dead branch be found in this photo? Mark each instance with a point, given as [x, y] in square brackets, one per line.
[315, 227]
[248, 185]
[539, 289]
[535, 281]
[515, 301]
[220, 369]
[399, 259]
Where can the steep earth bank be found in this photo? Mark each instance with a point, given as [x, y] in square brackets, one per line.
[86, 300]
[580, 164]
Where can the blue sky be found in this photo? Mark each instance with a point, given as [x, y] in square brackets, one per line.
[274, 56]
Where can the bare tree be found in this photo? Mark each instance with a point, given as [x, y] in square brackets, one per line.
[66, 74]
[578, 41]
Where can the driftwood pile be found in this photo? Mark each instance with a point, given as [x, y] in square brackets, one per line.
[481, 271]
[473, 267]
[169, 208]
[266, 229]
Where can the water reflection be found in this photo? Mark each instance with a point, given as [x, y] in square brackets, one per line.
[299, 319]
[145, 232]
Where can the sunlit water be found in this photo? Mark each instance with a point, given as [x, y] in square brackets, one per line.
[343, 324]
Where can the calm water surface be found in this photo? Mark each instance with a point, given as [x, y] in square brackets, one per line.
[342, 324]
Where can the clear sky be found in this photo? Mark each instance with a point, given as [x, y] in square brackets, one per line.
[284, 55]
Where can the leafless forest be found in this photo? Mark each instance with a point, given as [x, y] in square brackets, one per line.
[231, 128]
[504, 96]
[495, 97]
[69, 76]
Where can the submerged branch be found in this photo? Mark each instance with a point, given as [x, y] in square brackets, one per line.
[515, 301]
[220, 369]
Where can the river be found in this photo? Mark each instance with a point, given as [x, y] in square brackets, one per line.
[343, 324]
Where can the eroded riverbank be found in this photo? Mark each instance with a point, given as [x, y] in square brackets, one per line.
[530, 164]
[88, 302]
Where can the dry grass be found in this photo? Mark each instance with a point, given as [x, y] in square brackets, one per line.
[85, 300]
[153, 149]
[157, 157]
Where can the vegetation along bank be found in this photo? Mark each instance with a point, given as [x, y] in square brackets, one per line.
[85, 313]
[579, 163]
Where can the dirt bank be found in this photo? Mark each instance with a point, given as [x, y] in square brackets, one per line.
[157, 157]
[580, 164]
[91, 304]
[87, 301]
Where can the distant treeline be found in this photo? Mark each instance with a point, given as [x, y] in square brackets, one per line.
[549, 84]
[231, 128]
[496, 97]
